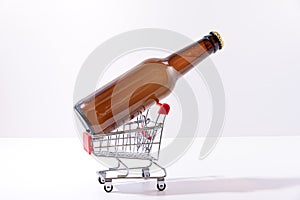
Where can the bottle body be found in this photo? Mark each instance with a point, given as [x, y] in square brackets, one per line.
[139, 88]
[123, 98]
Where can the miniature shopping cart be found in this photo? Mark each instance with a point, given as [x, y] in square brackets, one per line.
[138, 139]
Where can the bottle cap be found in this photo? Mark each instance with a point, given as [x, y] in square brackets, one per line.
[219, 38]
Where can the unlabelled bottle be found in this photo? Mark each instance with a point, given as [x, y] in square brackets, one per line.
[139, 88]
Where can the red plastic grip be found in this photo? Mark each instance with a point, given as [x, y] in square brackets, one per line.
[87, 139]
[164, 108]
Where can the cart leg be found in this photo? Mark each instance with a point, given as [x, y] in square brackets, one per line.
[117, 167]
[126, 167]
[163, 169]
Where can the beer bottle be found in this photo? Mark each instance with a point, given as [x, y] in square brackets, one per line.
[139, 88]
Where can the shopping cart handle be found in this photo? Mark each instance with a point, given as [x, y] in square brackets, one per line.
[87, 143]
[164, 108]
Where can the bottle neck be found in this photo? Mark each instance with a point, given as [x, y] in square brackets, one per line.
[186, 58]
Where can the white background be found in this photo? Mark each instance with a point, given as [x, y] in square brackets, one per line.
[43, 45]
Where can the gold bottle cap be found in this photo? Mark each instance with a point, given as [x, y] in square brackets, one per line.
[218, 36]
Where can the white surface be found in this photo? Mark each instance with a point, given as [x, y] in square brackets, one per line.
[239, 168]
[44, 43]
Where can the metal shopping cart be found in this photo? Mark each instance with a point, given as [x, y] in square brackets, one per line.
[138, 139]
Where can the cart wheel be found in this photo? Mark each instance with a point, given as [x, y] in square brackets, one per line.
[101, 180]
[161, 187]
[145, 173]
[108, 188]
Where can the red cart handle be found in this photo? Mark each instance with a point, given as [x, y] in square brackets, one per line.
[87, 143]
[164, 108]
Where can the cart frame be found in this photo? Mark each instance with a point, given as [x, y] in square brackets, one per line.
[139, 139]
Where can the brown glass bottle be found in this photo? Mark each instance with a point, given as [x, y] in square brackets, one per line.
[144, 85]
